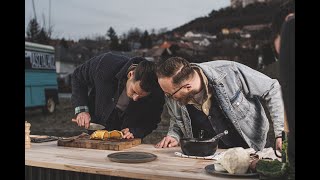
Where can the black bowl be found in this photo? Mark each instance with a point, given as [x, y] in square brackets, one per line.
[190, 147]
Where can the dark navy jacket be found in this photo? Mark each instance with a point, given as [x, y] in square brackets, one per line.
[99, 82]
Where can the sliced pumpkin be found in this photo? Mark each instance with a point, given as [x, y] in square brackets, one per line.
[115, 134]
[100, 134]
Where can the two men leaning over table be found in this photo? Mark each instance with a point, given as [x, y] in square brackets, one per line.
[216, 96]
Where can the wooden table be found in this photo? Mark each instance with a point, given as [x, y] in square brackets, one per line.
[166, 166]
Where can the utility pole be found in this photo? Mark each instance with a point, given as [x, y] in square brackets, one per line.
[34, 10]
[49, 15]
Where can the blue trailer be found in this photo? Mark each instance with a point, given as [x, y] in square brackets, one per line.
[41, 87]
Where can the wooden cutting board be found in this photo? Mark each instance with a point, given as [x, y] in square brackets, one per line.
[110, 144]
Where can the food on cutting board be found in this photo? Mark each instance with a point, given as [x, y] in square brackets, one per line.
[104, 134]
[235, 160]
[115, 134]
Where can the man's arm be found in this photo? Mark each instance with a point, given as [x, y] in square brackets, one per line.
[174, 133]
[257, 84]
[82, 79]
[174, 130]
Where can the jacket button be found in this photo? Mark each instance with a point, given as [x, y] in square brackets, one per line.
[237, 103]
[209, 117]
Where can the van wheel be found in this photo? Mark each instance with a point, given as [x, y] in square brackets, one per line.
[50, 106]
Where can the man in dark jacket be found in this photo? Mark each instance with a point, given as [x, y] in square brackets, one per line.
[287, 74]
[118, 92]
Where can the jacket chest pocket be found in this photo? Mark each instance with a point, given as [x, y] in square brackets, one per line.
[240, 105]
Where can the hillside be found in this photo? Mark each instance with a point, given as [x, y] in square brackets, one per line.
[257, 13]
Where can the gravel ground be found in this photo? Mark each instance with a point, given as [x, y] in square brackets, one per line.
[57, 124]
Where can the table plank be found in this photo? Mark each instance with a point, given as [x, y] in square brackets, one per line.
[166, 166]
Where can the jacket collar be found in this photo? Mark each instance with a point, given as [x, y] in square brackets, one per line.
[214, 75]
[124, 70]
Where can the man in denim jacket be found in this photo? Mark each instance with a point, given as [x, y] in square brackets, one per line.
[219, 95]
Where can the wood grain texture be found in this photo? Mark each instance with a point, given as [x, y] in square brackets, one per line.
[110, 144]
[166, 166]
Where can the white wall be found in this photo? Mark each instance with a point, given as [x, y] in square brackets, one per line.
[64, 68]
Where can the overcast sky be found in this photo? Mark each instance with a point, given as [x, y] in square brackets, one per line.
[74, 19]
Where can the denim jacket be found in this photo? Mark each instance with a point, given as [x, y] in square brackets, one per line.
[240, 91]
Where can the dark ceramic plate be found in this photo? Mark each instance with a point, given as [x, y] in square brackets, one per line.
[211, 170]
[132, 157]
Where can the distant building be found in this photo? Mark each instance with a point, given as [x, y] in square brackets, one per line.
[236, 3]
[190, 34]
[225, 31]
[255, 27]
[64, 68]
[65, 63]
[244, 3]
[235, 30]
[135, 45]
[245, 35]
[204, 42]
[247, 2]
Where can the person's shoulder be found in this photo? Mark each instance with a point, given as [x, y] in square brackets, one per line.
[111, 61]
[110, 56]
[217, 63]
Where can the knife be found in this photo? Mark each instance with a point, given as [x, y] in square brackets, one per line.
[93, 126]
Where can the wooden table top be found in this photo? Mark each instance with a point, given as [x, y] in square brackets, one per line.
[166, 166]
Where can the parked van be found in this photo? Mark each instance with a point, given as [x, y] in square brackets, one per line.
[41, 87]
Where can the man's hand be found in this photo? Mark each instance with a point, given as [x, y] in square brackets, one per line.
[167, 141]
[279, 144]
[83, 119]
[127, 134]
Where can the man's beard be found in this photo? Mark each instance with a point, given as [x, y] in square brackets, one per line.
[186, 98]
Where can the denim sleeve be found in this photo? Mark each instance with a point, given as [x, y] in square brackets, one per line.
[174, 130]
[256, 84]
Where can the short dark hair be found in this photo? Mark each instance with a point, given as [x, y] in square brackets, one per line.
[170, 68]
[279, 17]
[145, 72]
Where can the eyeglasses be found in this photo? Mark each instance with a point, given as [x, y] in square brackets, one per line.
[171, 95]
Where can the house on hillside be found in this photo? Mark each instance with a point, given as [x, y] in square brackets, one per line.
[205, 42]
[190, 35]
[255, 27]
[157, 52]
[235, 30]
[244, 3]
